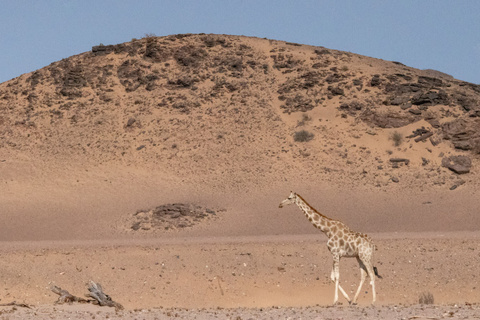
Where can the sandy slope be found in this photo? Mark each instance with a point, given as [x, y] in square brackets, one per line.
[97, 204]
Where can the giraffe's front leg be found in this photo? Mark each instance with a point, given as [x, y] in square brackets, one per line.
[332, 276]
[335, 276]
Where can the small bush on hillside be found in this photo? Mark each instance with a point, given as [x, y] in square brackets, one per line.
[303, 136]
[150, 35]
[397, 138]
[305, 118]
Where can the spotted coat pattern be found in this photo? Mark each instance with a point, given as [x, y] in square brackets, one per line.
[342, 242]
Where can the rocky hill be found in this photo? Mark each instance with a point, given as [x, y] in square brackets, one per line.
[233, 111]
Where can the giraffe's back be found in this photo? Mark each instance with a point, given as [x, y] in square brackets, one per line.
[348, 243]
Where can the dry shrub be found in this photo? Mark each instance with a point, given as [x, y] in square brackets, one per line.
[149, 35]
[305, 118]
[303, 136]
[426, 298]
[397, 138]
[190, 56]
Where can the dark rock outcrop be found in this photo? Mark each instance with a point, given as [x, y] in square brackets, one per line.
[465, 135]
[458, 164]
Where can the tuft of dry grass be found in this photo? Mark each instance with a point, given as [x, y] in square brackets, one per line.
[426, 298]
[397, 138]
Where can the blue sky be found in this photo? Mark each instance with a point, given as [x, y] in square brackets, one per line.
[425, 34]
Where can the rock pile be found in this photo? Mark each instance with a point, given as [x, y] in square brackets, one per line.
[171, 217]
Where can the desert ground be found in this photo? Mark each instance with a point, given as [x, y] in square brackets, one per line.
[156, 168]
[255, 261]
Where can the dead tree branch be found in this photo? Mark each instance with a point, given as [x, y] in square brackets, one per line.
[95, 292]
[102, 299]
[66, 297]
[15, 304]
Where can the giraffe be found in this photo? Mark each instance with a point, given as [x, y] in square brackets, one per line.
[342, 242]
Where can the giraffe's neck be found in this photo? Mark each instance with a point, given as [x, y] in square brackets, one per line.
[317, 219]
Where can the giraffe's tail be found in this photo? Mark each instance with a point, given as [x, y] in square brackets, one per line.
[376, 273]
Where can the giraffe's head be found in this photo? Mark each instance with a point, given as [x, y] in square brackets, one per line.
[291, 199]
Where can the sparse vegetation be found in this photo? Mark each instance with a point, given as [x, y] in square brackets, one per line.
[149, 35]
[303, 136]
[397, 138]
[426, 298]
[183, 84]
[305, 118]
[190, 56]
[298, 102]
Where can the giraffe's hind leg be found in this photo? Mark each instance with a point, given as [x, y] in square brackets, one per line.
[371, 274]
[363, 273]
